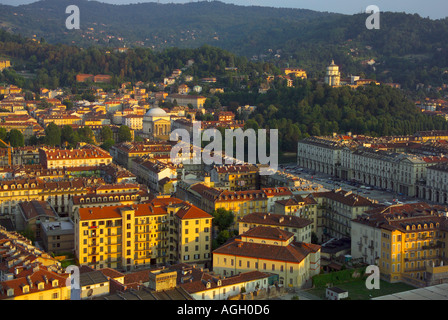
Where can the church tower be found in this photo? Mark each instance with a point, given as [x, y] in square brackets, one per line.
[333, 76]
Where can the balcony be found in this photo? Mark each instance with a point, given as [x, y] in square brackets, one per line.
[415, 269]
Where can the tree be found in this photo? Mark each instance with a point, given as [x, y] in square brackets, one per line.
[68, 104]
[15, 138]
[3, 133]
[223, 218]
[86, 135]
[106, 133]
[69, 135]
[52, 135]
[108, 144]
[124, 134]
[29, 95]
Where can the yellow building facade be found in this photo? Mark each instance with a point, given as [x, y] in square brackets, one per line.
[126, 237]
[406, 242]
[40, 285]
[271, 250]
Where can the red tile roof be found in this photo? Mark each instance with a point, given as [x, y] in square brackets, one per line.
[275, 220]
[293, 253]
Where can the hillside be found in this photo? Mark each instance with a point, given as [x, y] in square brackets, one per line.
[154, 25]
[408, 49]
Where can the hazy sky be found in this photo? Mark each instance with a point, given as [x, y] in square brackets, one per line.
[434, 9]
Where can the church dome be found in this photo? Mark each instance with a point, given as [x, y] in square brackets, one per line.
[156, 112]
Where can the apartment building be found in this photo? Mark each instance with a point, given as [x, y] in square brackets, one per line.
[38, 284]
[59, 120]
[127, 237]
[185, 99]
[57, 237]
[272, 250]
[87, 156]
[276, 194]
[235, 177]
[371, 164]
[399, 172]
[300, 227]
[150, 172]
[240, 202]
[407, 242]
[133, 121]
[109, 195]
[28, 273]
[56, 193]
[210, 287]
[337, 208]
[59, 193]
[123, 153]
[435, 188]
[319, 154]
[13, 191]
[31, 214]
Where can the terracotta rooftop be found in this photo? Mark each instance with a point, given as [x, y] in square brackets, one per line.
[295, 252]
[275, 220]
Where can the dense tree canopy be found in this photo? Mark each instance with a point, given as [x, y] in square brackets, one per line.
[312, 108]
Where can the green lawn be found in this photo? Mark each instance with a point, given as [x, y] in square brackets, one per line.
[357, 289]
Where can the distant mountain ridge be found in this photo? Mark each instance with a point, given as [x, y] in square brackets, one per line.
[148, 24]
[407, 49]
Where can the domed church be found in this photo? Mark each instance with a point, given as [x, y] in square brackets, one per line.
[157, 124]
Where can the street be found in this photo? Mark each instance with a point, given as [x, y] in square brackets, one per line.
[328, 183]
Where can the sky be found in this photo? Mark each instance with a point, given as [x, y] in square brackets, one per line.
[434, 9]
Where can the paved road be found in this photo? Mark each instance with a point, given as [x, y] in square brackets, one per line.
[329, 183]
